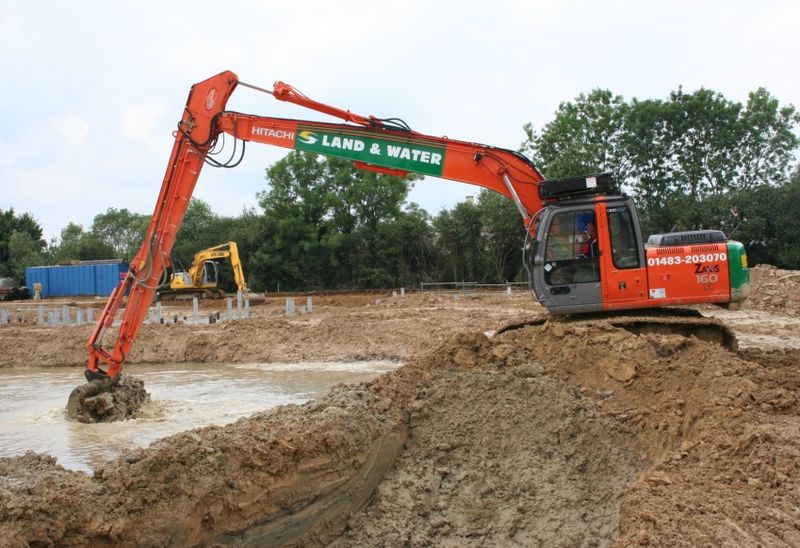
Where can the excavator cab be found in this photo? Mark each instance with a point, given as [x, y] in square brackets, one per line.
[587, 251]
[210, 274]
[589, 254]
[573, 239]
[566, 266]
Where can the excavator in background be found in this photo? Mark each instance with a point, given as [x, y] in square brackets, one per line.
[619, 270]
[202, 278]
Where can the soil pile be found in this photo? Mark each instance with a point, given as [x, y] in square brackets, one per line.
[106, 400]
[773, 289]
[565, 433]
[500, 454]
[722, 430]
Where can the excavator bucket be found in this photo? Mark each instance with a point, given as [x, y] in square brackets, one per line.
[107, 400]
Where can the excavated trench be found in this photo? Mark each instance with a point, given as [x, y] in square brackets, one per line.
[180, 397]
[560, 433]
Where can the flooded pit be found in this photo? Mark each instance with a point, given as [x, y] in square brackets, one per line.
[32, 414]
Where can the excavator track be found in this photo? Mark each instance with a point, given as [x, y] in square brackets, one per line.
[675, 321]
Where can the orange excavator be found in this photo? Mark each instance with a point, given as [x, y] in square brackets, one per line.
[586, 251]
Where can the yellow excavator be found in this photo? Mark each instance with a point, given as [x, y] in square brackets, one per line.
[202, 279]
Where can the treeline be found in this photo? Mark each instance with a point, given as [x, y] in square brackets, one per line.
[691, 161]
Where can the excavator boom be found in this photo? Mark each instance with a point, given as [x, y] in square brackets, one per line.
[372, 144]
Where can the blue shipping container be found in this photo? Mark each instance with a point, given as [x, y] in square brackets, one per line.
[88, 278]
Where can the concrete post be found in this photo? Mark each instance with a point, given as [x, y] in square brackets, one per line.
[290, 306]
[90, 315]
[159, 318]
[247, 308]
[230, 308]
[239, 297]
[41, 314]
[65, 313]
[309, 304]
[78, 317]
[3, 317]
[195, 309]
[402, 292]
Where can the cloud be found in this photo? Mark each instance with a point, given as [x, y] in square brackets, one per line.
[141, 123]
[90, 106]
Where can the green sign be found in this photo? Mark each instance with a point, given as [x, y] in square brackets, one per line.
[406, 155]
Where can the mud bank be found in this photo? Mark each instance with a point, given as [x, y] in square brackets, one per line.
[267, 479]
[556, 434]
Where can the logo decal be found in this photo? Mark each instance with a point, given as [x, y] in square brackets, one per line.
[401, 153]
[307, 137]
[211, 98]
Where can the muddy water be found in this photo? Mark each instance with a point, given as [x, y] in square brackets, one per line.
[32, 415]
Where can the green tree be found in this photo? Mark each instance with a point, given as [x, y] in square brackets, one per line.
[77, 245]
[415, 259]
[460, 243]
[503, 235]
[673, 155]
[769, 229]
[24, 251]
[199, 230]
[705, 147]
[324, 223]
[769, 141]
[121, 230]
[21, 243]
[586, 136]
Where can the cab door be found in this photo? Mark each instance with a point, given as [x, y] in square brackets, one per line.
[566, 259]
[623, 265]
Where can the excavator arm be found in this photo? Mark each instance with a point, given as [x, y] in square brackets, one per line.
[236, 266]
[388, 146]
[381, 145]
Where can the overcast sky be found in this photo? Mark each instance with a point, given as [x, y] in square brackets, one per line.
[91, 91]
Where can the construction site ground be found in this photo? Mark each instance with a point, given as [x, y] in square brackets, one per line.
[552, 434]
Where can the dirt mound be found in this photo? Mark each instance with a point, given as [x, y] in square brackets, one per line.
[582, 434]
[500, 454]
[722, 430]
[773, 289]
[106, 400]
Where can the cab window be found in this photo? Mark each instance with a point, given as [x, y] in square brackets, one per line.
[571, 248]
[624, 249]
